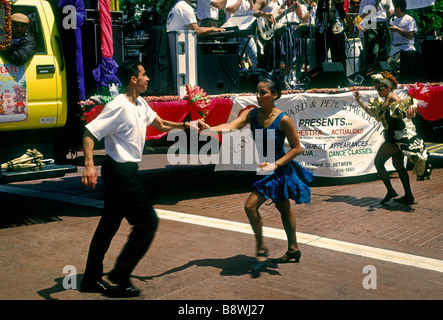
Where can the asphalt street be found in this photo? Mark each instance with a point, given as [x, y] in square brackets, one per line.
[352, 247]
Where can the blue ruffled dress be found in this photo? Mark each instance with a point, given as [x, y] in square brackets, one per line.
[289, 181]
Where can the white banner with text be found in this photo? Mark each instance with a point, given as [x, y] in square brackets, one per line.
[338, 138]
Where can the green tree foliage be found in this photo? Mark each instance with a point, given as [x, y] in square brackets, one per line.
[429, 19]
[129, 7]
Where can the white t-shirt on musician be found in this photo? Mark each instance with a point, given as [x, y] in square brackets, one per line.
[400, 43]
[123, 126]
[180, 16]
[244, 9]
[206, 11]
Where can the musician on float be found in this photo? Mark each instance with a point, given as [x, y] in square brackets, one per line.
[376, 37]
[273, 39]
[403, 29]
[312, 8]
[182, 17]
[354, 7]
[304, 35]
[246, 7]
[329, 31]
[270, 35]
[208, 12]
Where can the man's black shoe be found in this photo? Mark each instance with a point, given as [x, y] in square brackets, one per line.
[98, 287]
[125, 288]
[126, 291]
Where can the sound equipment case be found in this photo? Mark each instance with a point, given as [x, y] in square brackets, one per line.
[183, 60]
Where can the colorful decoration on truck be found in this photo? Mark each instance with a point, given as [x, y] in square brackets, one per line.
[13, 93]
[104, 74]
[5, 29]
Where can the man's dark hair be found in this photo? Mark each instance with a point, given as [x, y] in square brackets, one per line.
[127, 70]
[400, 4]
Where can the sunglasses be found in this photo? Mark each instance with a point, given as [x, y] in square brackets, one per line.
[380, 88]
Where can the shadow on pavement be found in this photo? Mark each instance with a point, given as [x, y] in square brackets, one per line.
[370, 202]
[233, 266]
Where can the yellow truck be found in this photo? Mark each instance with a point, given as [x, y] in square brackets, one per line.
[38, 100]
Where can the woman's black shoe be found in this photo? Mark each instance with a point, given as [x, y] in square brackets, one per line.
[260, 263]
[288, 256]
[389, 196]
[405, 200]
[427, 174]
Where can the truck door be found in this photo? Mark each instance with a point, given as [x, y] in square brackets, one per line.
[33, 97]
[33, 94]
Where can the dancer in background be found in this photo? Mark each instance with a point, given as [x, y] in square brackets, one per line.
[400, 135]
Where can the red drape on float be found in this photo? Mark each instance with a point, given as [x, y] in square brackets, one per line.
[219, 110]
[104, 74]
[107, 45]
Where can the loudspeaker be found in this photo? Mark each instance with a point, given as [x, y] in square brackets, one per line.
[363, 77]
[432, 51]
[156, 62]
[218, 67]
[324, 75]
[411, 67]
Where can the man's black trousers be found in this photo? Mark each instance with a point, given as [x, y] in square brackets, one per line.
[125, 197]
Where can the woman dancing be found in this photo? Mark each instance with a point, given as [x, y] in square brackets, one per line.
[400, 136]
[286, 179]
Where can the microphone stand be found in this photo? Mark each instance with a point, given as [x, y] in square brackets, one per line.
[290, 45]
[311, 65]
[324, 27]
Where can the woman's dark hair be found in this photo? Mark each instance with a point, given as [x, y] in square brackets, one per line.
[127, 70]
[275, 84]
